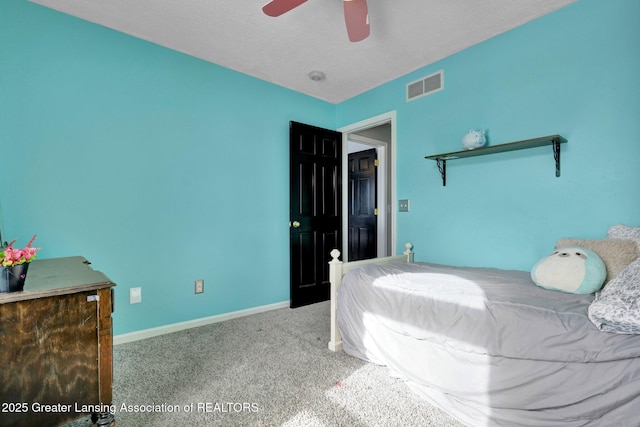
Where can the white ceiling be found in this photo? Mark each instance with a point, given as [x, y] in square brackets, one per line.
[405, 35]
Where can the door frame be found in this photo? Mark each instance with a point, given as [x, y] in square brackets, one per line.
[390, 171]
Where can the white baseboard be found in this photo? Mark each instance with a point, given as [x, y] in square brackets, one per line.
[175, 327]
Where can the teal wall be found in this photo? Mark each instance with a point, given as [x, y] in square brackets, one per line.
[163, 169]
[158, 167]
[575, 72]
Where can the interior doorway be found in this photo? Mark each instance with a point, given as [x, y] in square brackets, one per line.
[378, 133]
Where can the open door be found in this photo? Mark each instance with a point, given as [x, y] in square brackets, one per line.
[362, 210]
[315, 209]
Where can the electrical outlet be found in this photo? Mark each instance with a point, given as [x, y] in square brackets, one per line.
[403, 205]
[199, 286]
[135, 295]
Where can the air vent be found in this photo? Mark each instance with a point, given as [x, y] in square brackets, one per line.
[425, 86]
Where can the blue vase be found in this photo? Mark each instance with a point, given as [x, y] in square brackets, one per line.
[12, 278]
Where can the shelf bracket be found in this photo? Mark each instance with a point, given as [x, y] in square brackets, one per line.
[442, 167]
[556, 155]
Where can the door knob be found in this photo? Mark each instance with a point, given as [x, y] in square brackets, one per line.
[295, 224]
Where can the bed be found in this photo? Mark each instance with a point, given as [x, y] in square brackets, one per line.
[488, 346]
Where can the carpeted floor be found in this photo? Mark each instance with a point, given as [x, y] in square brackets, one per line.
[268, 369]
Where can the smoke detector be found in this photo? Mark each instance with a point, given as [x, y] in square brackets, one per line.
[317, 76]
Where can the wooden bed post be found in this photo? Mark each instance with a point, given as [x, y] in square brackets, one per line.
[335, 276]
[337, 269]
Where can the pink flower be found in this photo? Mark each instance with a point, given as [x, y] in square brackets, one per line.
[10, 256]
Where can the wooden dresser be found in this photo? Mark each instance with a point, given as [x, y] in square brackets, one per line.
[56, 345]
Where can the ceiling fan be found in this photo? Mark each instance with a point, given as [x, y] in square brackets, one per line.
[356, 15]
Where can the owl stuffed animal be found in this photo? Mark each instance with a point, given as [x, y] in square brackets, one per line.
[474, 139]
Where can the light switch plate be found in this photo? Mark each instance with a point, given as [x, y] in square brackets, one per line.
[403, 205]
[199, 286]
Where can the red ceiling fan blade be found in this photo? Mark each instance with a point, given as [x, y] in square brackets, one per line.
[356, 16]
[278, 7]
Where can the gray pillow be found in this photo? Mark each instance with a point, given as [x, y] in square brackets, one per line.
[617, 307]
[621, 231]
